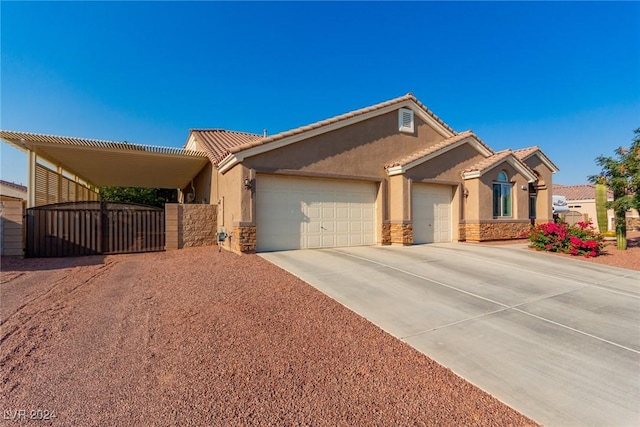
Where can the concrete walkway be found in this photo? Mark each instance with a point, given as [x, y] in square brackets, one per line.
[555, 338]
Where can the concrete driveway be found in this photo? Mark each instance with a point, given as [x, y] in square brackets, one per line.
[555, 338]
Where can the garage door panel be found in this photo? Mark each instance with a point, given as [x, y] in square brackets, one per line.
[431, 210]
[313, 227]
[343, 227]
[313, 213]
[314, 241]
[328, 241]
[328, 213]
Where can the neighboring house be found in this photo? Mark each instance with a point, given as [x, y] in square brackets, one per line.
[12, 191]
[581, 200]
[392, 173]
[12, 204]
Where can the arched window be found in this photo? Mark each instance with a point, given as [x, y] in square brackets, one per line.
[502, 196]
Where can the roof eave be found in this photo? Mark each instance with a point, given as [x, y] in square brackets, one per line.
[512, 160]
[395, 170]
[481, 148]
[228, 162]
[251, 149]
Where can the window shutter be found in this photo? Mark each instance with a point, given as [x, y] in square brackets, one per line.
[405, 120]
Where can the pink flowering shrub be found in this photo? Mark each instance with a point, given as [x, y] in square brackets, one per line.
[578, 239]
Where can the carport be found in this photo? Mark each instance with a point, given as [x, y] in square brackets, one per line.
[93, 163]
[64, 217]
[557, 339]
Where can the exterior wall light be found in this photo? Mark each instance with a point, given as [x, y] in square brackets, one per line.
[465, 192]
[247, 183]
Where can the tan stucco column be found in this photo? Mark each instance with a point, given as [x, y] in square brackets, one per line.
[400, 210]
[244, 226]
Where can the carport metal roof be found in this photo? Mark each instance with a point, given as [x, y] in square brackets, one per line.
[110, 163]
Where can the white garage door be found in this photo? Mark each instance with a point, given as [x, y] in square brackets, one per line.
[431, 211]
[300, 213]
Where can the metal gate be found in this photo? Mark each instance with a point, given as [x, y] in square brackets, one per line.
[90, 228]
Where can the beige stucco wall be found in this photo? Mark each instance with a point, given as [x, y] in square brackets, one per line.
[361, 149]
[588, 207]
[204, 186]
[399, 198]
[236, 204]
[544, 212]
[447, 166]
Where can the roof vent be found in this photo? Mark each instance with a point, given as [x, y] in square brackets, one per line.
[405, 120]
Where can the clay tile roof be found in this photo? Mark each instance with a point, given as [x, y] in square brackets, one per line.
[432, 149]
[218, 142]
[260, 141]
[490, 161]
[523, 153]
[18, 187]
[578, 192]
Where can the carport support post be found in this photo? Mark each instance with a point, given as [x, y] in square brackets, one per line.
[31, 179]
[59, 179]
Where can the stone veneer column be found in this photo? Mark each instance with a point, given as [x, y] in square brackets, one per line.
[385, 234]
[495, 230]
[402, 233]
[244, 239]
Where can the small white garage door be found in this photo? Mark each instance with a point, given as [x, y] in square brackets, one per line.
[301, 213]
[431, 209]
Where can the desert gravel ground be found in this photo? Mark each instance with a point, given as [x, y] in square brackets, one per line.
[197, 337]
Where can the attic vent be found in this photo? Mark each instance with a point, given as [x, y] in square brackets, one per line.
[405, 120]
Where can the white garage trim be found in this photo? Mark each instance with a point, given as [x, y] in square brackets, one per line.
[305, 213]
[431, 211]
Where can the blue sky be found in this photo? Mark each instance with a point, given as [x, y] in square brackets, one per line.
[563, 76]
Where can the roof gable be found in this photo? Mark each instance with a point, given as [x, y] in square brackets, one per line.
[419, 157]
[524, 153]
[262, 145]
[494, 160]
[217, 142]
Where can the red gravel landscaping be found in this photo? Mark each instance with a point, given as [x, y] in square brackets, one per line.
[197, 337]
